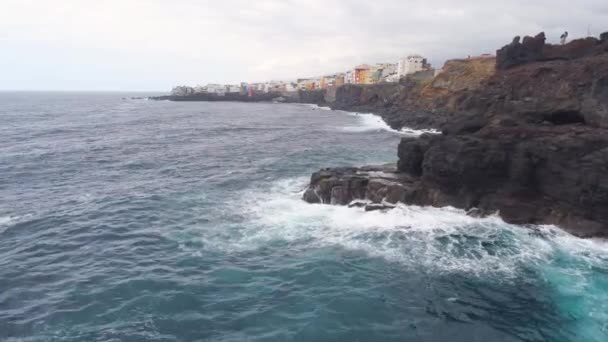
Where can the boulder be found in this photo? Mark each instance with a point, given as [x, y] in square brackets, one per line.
[516, 53]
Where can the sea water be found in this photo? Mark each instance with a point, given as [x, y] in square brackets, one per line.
[135, 220]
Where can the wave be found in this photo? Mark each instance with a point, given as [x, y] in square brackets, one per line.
[440, 239]
[371, 122]
[7, 221]
[426, 240]
[315, 106]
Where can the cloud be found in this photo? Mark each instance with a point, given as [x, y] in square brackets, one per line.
[154, 44]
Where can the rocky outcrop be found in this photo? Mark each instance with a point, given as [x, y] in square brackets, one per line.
[310, 96]
[534, 49]
[529, 141]
[300, 96]
[379, 186]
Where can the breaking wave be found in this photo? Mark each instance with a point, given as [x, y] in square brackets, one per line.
[434, 241]
[7, 221]
[440, 239]
[371, 122]
[315, 106]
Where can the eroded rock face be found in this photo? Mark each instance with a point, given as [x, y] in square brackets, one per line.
[376, 184]
[546, 175]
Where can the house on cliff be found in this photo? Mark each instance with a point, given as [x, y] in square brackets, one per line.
[349, 77]
[182, 91]
[340, 80]
[233, 88]
[362, 74]
[306, 84]
[217, 89]
[411, 64]
[328, 81]
[291, 87]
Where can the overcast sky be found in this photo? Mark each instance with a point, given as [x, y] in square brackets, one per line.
[156, 44]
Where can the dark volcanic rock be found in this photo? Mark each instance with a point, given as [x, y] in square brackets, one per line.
[534, 49]
[378, 206]
[378, 184]
[531, 49]
[529, 142]
[205, 97]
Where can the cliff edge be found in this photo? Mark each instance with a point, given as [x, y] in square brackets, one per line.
[527, 138]
[416, 103]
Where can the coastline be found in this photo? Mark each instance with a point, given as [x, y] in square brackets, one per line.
[524, 135]
[528, 141]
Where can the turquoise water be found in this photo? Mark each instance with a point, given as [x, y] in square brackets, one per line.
[133, 220]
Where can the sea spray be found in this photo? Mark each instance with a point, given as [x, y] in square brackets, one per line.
[372, 122]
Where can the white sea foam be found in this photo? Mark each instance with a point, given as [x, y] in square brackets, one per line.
[440, 239]
[425, 239]
[316, 107]
[371, 122]
[7, 221]
[4, 220]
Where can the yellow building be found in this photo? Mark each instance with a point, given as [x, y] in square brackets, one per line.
[339, 80]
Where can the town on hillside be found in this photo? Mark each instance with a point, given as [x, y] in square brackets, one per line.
[413, 66]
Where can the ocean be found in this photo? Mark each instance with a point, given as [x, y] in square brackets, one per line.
[135, 220]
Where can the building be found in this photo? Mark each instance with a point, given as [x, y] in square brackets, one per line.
[218, 89]
[375, 73]
[182, 91]
[244, 88]
[411, 64]
[362, 74]
[257, 87]
[200, 89]
[233, 88]
[349, 77]
[327, 81]
[306, 84]
[340, 80]
[277, 86]
[290, 87]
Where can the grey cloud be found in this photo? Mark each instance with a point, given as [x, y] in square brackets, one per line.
[232, 40]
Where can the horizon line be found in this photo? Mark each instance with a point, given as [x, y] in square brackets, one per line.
[78, 91]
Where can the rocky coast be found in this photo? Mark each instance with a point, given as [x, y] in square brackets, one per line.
[524, 135]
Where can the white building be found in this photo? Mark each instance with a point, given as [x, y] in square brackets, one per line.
[349, 77]
[291, 86]
[233, 88]
[411, 64]
[200, 89]
[218, 89]
[182, 91]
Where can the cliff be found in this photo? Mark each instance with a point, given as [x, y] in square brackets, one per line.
[527, 139]
[414, 103]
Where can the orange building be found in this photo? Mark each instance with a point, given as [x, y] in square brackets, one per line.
[362, 74]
